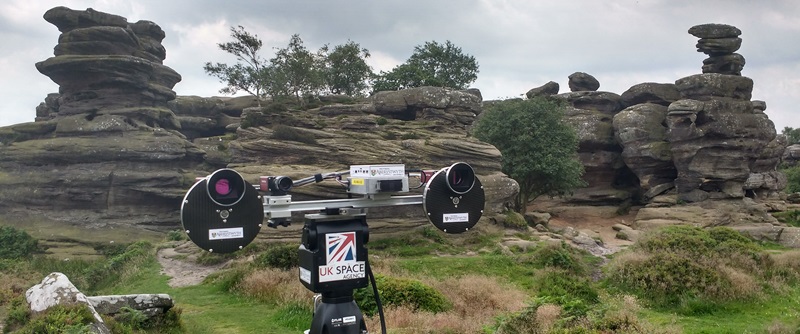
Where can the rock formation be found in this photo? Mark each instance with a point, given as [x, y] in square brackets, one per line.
[550, 88]
[580, 81]
[715, 132]
[56, 289]
[591, 114]
[106, 149]
[791, 155]
[719, 42]
[698, 150]
[107, 67]
[117, 147]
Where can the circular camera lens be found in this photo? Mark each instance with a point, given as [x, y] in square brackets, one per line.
[223, 187]
[460, 178]
[284, 183]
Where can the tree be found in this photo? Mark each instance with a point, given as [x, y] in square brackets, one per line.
[538, 148]
[296, 71]
[247, 75]
[347, 70]
[792, 135]
[431, 64]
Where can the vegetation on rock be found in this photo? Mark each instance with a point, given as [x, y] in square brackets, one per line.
[792, 135]
[431, 64]
[294, 72]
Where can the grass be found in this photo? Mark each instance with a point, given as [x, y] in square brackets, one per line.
[499, 292]
[737, 317]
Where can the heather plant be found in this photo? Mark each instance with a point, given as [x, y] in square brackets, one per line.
[691, 266]
[15, 243]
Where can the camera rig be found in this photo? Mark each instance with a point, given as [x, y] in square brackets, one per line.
[223, 213]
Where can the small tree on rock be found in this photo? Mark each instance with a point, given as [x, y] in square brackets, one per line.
[539, 150]
[295, 71]
[792, 135]
[347, 71]
[248, 74]
[431, 64]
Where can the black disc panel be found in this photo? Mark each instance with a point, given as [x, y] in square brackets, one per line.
[217, 228]
[449, 211]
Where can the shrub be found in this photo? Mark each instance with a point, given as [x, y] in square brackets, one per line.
[114, 269]
[679, 238]
[409, 135]
[176, 235]
[276, 286]
[515, 220]
[381, 121]
[18, 313]
[791, 217]
[665, 277]
[60, 319]
[793, 178]
[253, 119]
[16, 244]
[130, 321]
[282, 256]
[401, 292]
[283, 132]
[574, 293]
[559, 255]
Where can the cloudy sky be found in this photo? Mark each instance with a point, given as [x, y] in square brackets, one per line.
[519, 44]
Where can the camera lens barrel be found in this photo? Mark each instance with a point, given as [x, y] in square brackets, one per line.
[225, 187]
[460, 178]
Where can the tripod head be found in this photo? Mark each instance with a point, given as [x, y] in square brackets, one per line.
[222, 213]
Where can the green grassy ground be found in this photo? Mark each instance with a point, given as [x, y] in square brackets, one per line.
[209, 308]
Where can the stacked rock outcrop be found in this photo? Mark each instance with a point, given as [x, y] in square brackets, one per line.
[715, 132]
[591, 114]
[107, 66]
[641, 131]
[116, 147]
[106, 149]
[720, 42]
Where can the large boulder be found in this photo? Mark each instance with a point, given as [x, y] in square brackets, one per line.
[580, 81]
[714, 143]
[791, 155]
[607, 178]
[650, 92]
[210, 116]
[457, 107]
[641, 131]
[708, 86]
[550, 88]
[56, 289]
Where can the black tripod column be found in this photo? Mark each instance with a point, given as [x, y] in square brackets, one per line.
[333, 262]
[338, 315]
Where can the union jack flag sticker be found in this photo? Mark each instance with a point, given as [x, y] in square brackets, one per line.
[341, 247]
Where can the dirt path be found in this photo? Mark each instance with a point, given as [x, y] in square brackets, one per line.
[179, 264]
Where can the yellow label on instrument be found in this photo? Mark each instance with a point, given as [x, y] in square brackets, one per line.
[357, 182]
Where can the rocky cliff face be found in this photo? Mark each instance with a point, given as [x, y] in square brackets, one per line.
[107, 147]
[699, 150]
[117, 146]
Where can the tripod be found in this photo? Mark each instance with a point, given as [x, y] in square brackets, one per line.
[333, 262]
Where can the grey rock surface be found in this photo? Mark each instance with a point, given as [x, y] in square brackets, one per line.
[580, 81]
[56, 289]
